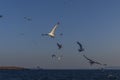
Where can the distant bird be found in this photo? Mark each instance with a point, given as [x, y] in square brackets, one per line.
[52, 32]
[57, 57]
[91, 61]
[1, 16]
[53, 56]
[28, 18]
[81, 48]
[59, 46]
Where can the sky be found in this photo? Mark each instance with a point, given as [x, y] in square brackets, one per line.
[94, 23]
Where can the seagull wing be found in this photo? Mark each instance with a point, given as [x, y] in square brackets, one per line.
[90, 61]
[79, 44]
[54, 28]
[98, 63]
[87, 58]
[44, 34]
[59, 45]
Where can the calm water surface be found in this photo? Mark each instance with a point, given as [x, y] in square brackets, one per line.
[59, 75]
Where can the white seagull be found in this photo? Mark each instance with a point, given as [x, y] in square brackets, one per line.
[52, 32]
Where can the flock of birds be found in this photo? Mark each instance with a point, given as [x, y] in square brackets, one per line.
[81, 49]
[52, 35]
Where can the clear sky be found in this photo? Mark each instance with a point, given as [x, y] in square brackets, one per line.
[94, 23]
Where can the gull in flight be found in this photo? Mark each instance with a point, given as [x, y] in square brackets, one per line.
[52, 32]
[53, 55]
[81, 48]
[57, 57]
[1, 16]
[59, 46]
[91, 61]
[28, 18]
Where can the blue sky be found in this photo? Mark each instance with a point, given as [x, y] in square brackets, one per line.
[94, 23]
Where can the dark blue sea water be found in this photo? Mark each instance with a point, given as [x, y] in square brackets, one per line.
[59, 75]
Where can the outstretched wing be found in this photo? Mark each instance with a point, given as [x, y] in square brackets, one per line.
[91, 61]
[87, 58]
[44, 34]
[54, 28]
[79, 44]
[59, 46]
[98, 63]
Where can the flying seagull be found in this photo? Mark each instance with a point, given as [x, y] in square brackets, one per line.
[53, 55]
[59, 46]
[1, 16]
[57, 57]
[28, 18]
[52, 32]
[91, 61]
[81, 48]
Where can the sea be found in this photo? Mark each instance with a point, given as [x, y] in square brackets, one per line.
[59, 74]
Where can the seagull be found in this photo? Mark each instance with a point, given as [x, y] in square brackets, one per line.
[1, 16]
[57, 57]
[59, 46]
[81, 48]
[91, 61]
[53, 55]
[52, 32]
[28, 18]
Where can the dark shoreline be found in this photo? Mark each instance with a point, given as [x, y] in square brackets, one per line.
[23, 68]
[11, 68]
